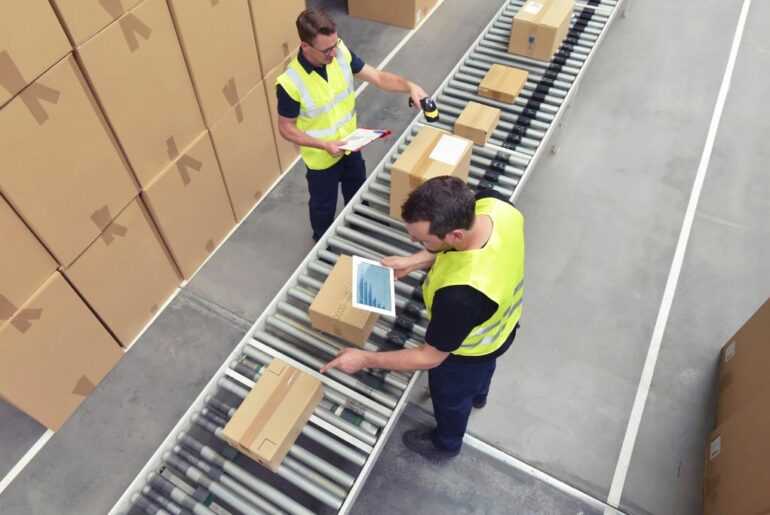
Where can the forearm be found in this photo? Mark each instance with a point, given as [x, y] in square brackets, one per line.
[422, 260]
[393, 83]
[292, 133]
[399, 360]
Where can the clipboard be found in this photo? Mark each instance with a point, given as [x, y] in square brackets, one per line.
[361, 137]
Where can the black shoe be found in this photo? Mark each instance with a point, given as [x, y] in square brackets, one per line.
[420, 441]
[479, 402]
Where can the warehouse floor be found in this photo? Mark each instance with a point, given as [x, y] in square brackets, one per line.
[604, 218]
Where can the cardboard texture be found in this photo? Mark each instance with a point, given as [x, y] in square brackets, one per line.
[404, 13]
[189, 205]
[275, 27]
[332, 310]
[24, 263]
[287, 151]
[270, 418]
[61, 169]
[126, 274]
[415, 165]
[140, 78]
[53, 353]
[503, 83]
[539, 28]
[737, 453]
[245, 146]
[477, 122]
[744, 364]
[31, 41]
[218, 42]
[84, 18]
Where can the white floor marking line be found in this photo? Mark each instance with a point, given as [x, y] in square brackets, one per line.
[16, 470]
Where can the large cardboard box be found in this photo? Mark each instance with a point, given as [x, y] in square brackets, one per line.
[53, 353]
[84, 18]
[189, 205]
[503, 83]
[218, 41]
[275, 25]
[431, 153]
[140, 78]
[737, 454]
[31, 41]
[332, 310]
[270, 418]
[477, 122]
[24, 263]
[287, 151]
[539, 28]
[245, 145]
[744, 364]
[126, 274]
[61, 169]
[404, 13]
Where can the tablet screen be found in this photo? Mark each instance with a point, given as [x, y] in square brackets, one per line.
[373, 286]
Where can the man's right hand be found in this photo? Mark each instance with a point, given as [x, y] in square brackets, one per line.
[401, 265]
[333, 148]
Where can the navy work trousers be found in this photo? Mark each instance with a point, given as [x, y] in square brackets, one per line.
[323, 185]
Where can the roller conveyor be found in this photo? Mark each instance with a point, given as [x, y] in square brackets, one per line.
[195, 471]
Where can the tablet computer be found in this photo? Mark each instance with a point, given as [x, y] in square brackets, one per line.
[373, 287]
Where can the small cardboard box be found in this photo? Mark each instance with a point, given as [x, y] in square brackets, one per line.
[270, 418]
[245, 145]
[218, 41]
[53, 353]
[332, 310]
[430, 154]
[503, 83]
[61, 168]
[31, 41]
[126, 274]
[84, 18]
[737, 452]
[276, 30]
[287, 151]
[744, 364]
[540, 27]
[140, 77]
[477, 122]
[404, 13]
[189, 205]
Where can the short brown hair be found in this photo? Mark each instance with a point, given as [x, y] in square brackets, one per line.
[445, 202]
[312, 22]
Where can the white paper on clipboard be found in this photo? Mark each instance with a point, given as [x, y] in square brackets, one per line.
[374, 287]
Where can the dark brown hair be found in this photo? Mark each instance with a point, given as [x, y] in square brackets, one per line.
[446, 202]
[312, 22]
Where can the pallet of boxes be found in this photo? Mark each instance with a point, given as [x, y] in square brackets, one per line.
[738, 450]
[133, 135]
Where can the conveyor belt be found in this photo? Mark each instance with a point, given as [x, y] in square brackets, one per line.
[195, 471]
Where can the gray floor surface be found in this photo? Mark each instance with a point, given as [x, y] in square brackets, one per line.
[603, 219]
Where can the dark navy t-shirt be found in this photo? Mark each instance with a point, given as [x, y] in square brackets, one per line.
[287, 106]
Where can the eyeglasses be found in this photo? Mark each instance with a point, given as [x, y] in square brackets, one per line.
[328, 51]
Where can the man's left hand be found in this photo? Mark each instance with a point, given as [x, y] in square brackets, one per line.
[348, 360]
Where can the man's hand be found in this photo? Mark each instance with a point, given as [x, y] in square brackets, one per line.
[348, 360]
[417, 93]
[401, 265]
[333, 148]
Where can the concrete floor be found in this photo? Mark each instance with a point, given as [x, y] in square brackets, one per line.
[603, 220]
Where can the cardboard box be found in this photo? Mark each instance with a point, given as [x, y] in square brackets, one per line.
[744, 364]
[503, 83]
[53, 353]
[332, 310]
[737, 454]
[189, 205]
[140, 78]
[422, 161]
[539, 28]
[62, 170]
[126, 274]
[84, 18]
[404, 13]
[31, 41]
[218, 42]
[270, 418]
[245, 145]
[275, 26]
[477, 122]
[287, 151]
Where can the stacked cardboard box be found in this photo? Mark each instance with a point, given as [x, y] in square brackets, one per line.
[404, 13]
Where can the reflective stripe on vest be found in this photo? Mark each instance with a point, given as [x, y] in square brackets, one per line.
[496, 270]
[327, 108]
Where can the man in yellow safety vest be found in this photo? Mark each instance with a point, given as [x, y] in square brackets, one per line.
[317, 109]
[474, 247]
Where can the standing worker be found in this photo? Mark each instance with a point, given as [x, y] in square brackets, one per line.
[474, 246]
[317, 109]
